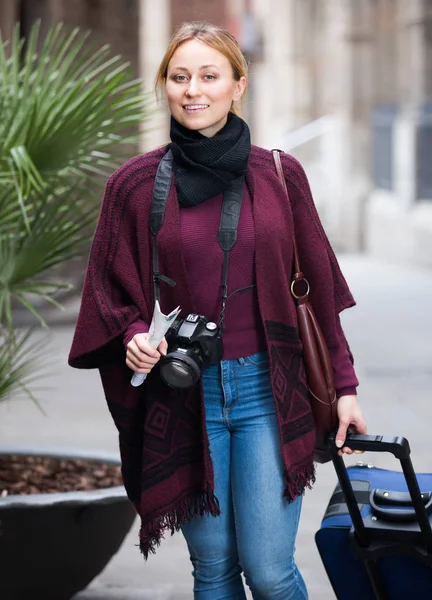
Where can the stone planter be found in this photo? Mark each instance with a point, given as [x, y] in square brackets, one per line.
[53, 545]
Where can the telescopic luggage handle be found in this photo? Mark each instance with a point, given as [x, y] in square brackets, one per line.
[399, 447]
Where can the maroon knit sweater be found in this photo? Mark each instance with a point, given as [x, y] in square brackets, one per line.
[166, 462]
[243, 333]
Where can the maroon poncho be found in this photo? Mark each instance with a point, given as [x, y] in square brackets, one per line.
[166, 464]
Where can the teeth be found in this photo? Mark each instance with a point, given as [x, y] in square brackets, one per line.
[196, 106]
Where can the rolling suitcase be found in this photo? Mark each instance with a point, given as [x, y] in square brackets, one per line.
[375, 539]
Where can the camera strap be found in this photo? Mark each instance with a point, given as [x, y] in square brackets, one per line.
[161, 190]
[227, 234]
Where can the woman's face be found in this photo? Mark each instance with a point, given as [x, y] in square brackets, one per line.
[201, 87]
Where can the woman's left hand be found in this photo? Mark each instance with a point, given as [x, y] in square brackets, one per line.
[349, 414]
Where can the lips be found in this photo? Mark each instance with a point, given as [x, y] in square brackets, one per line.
[195, 107]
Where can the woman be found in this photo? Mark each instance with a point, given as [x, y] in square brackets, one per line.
[238, 444]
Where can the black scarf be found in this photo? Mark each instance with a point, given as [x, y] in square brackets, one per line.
[204, 167]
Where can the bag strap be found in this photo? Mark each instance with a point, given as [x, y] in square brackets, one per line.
[298, 274]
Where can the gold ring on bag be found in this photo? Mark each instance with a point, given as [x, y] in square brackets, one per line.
[294, 281]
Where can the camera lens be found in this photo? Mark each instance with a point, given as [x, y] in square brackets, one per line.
[179, 370]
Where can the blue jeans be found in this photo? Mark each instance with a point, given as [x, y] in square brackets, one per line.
[257, 528]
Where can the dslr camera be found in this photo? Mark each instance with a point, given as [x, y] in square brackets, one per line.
[192, 342]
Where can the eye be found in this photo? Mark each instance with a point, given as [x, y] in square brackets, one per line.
[209, 77]
[179, 78]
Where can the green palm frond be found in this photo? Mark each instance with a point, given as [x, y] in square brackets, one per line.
[69, 108]
[22, 364]
[59, 229]
[70, 113]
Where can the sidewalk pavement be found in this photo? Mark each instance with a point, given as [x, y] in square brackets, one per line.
[390, 334]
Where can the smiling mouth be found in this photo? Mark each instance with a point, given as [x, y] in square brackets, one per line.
[195, 107]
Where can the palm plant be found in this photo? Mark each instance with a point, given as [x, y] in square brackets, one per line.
[69, 114]
[21, 365]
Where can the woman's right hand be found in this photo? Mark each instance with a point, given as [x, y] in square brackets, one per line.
[140, 356]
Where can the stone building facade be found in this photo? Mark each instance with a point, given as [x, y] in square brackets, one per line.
[363, 65]
[111, 21]
[366, 64]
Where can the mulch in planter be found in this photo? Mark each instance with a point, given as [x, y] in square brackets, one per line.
[25, 475]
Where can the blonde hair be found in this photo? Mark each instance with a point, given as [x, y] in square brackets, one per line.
[217, 38]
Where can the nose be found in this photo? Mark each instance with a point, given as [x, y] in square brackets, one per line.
[193, 88]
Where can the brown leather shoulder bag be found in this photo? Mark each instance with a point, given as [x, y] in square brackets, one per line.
[319, 370]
